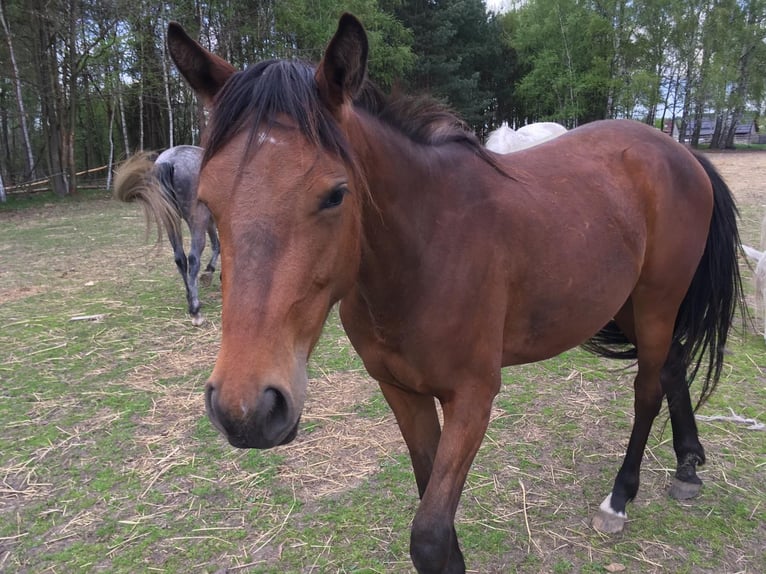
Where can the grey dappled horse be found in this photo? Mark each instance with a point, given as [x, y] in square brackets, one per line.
[167, 188]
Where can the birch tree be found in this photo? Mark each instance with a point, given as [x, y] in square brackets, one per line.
[19, 97]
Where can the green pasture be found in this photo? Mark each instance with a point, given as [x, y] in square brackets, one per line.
[109, 464]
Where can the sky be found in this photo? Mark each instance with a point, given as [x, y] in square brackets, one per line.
[495, 5]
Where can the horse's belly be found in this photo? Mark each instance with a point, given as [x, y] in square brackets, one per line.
[562, 314]
[538, 342]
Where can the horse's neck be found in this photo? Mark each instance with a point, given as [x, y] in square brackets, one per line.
[416, 198]
[405, 196]
[404, 177]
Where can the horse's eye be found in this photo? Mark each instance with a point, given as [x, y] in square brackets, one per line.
[334, 198]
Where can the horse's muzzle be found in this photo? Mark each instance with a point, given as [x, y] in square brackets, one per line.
[270, 423]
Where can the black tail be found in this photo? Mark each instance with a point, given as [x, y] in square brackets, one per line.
[708, 309]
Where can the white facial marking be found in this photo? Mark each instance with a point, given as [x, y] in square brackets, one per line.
[263, 138]
[606, 506]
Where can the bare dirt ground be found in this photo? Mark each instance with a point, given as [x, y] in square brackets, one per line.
[745, 172]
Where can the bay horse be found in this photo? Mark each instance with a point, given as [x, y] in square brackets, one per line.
[167, 187]
[506, 140]
[450, 262]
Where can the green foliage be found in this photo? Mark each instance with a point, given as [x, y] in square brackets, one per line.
[310, 25]
[456, 51]
[98, 81]
[568, 50]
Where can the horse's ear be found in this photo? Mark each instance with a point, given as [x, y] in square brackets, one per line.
[341, 72]
[205, 72]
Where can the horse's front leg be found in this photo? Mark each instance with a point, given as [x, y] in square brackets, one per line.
[434, 546]
[182, 263]
[419, 424]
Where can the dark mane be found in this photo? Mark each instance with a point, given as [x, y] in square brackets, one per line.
[254, 99]
[422, 119]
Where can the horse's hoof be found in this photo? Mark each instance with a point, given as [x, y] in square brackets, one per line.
[608, 523]
[206, 278]
[681, 490]
[198, 320]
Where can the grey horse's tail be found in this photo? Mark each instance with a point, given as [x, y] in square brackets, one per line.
[139, 179]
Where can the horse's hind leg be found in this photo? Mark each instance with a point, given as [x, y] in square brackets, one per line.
[197, 246]
[215, 246]
[182, 263]
[689, 451]
[198, 228]
[653, 336]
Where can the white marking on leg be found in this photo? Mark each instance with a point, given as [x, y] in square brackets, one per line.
[606, 506]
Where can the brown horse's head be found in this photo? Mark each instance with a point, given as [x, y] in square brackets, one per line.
[285, 193]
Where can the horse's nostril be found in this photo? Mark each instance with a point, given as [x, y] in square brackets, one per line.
[209, 391]
[210, 405]
[273, 407]
[268, 423]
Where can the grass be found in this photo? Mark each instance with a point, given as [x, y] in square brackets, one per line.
[108, 462]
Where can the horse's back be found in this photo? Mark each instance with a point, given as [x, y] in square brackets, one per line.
[188, 155]
[614, 169]
[186, 161]
[611, 148]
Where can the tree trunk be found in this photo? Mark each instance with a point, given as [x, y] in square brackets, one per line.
[70, 102]
[738, 96]
[736, 117]
[698, 117]
[111, 109]
[739, 93]
[90, 123]
[19, 99]
[687, 103]
[123, 124]
[50, 102]
[166, 81]
[4, 129]
[141, 105]
[715, 141]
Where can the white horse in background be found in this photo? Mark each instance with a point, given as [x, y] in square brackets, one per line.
[759, 261]
[505, 139]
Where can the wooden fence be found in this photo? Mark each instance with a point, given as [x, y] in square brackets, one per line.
[43, 184]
